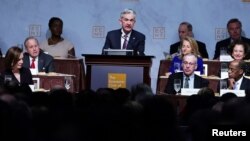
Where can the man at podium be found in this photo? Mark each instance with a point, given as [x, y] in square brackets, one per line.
[126, 38]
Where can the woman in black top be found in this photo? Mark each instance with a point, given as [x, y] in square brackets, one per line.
[16, 74]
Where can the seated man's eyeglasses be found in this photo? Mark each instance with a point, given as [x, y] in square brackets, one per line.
[189, 63]
[233, 69]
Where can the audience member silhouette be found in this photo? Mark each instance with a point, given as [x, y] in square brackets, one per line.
[140, 91]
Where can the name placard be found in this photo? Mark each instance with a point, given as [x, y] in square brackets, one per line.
[117, 80]
[188, 91]
[225, 58]
[239, 93]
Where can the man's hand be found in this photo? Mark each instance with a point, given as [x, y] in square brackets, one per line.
[231, 83]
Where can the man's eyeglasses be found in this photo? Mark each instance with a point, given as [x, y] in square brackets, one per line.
[189, 63]
[232, 69]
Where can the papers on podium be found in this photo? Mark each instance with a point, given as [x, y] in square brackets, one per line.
[118, 52]
[188, 91]
[239, 93]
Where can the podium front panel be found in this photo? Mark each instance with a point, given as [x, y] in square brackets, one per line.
[100, 76]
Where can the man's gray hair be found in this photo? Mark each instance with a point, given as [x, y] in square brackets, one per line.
[191, 55]
[127, 11]
[28, 38]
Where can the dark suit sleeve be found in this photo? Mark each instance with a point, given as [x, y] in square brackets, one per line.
[50, 64]
[200, 82]
[203, 50]
[205, 83]
[107, 43]
[141, 45]
[137, 43]
[46, 62]
[217, 51]
[172, 50]
[219, 45]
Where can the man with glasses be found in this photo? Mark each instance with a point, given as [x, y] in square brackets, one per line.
[187, 77]
[236, 79]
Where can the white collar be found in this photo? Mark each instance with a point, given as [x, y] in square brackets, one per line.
[239, 81]
[123, 34]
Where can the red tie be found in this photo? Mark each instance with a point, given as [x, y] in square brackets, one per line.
[32, 66]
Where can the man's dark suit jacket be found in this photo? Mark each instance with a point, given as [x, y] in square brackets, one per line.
[225, 44]
[199, 82]
[136, 41]
[202, 48]
[244, 84]
[45, 62]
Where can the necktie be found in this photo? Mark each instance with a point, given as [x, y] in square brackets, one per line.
[32, 66]
[186, 85]
[125, 43]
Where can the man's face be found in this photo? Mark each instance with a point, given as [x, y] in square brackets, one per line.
[183, 31]
[189, 65]
[32, 48]
[234, 71]
[127, 22]
[234, 30]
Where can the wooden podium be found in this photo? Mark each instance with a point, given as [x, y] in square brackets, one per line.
[48, 82]
[73, 66]
[99, 68]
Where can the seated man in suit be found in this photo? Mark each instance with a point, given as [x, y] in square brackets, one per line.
[186, 29]
[126, 37]
[35, 58]
[236, 79]
[187, 77]
[234, 28]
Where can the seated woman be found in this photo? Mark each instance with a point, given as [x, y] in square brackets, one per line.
[56, 45]
[14, 73]
[238, 51]
[188, 45]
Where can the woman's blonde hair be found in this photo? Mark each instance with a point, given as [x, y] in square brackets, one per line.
[193, 44]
